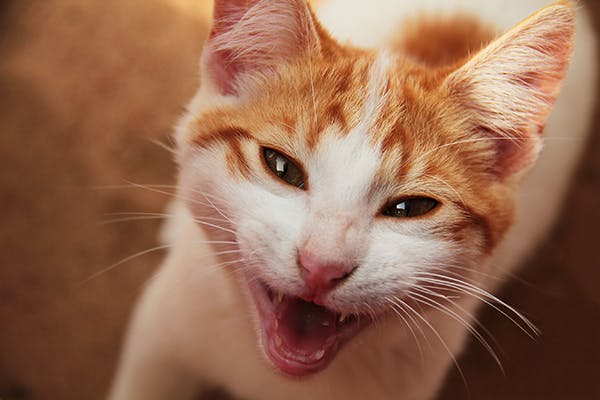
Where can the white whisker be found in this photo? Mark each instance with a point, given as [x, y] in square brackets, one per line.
[485, 296]
[216, 208]
[141, 216]
[443, 343]
[164, 146]
[447, 311]
[443, 181]
[399, 312]
[123, 261]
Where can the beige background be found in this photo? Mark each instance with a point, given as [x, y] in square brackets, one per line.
[84, 87]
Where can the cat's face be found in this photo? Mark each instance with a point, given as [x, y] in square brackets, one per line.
[352, 182]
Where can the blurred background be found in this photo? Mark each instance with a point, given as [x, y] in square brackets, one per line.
[86, 90]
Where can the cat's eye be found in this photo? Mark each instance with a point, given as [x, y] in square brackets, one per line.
[410, 207]
[284, 168]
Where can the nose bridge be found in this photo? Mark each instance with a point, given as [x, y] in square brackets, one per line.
[329, 253]
[331, 237]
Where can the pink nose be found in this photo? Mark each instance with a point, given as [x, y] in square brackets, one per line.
[322, 276]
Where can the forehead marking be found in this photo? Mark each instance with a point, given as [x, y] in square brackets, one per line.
[344, 167]
[376, 91]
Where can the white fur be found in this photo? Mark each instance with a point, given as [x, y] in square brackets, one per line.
[376, 96]
[192, 325]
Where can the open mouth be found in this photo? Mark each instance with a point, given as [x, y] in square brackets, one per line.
[301, 337]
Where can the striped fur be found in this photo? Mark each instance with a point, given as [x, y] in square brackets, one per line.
[409, 113]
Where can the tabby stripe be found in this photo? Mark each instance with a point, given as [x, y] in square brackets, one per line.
[236, 161]
[222, 135]
[232, 137]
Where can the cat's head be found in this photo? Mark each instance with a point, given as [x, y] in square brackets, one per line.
[352, 180]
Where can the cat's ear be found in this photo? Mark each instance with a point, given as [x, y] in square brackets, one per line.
[255, 36]
[508, 88]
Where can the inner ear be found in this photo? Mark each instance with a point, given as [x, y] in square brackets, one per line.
[256, 36]
[507, 91]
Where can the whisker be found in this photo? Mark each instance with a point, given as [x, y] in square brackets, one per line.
[371, 312]
[463, 141]
[159, 189]
[216, 208]
[207, 270]
[216, 227]
[432, 290]
[449, 312]
[123, 261]
[224, 252]
[402, 304]
[116, 214]
[133, 216]
[130, 186]
[443, 181]
[443, 343]
[164, 146]
[398, 311]
[444, 268]
[154, 249]
[485, 296]
[130, 219]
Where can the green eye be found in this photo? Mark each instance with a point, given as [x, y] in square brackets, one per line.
[410, 208]
[283, 168]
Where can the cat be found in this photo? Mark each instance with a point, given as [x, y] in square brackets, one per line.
[354, 182]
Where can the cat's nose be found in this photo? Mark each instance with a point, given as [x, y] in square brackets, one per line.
[320, 275]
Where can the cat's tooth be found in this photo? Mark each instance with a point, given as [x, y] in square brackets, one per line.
[278, 298]
[319, 354]
[343, 317]
[278, 341]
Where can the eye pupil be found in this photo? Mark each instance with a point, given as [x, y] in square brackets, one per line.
[410, 208]
[283, 168]
[402, 207]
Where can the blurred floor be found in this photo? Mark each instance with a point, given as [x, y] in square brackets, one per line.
[84, 87]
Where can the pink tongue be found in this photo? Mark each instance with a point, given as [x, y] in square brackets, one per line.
[305, 328]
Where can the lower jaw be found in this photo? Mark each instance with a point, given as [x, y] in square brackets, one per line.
[292, 364]
[290, 367]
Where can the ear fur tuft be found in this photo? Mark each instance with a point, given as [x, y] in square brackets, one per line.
[508, 89]
[255, 36]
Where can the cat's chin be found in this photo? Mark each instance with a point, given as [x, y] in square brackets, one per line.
[299, 337]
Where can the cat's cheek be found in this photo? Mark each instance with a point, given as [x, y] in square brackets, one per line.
[202, 186]
[394, 265]
[269, 247]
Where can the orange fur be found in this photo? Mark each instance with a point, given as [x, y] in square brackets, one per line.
[442, 41]
[450, 117]
[416, 124]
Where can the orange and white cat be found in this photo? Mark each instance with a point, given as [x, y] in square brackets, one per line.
[352, 183]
